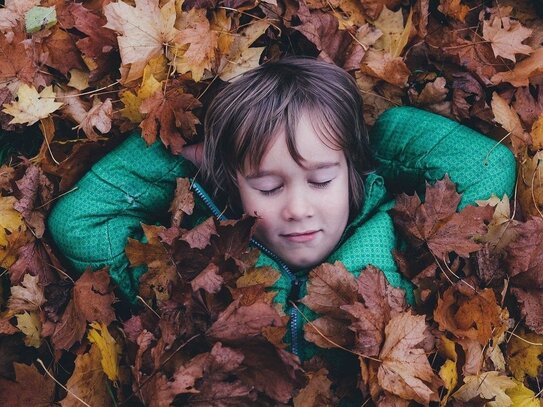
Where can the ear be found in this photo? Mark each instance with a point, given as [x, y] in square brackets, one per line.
[194, 153]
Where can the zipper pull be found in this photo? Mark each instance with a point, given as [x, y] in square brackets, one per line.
[294, 294]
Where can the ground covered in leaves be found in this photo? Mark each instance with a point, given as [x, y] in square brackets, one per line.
[76, 76]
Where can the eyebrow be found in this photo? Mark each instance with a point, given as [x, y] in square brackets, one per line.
[311, 167]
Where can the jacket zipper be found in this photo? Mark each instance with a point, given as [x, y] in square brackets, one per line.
[295, 282]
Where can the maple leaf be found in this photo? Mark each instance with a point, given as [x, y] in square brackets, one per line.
[454, 9]
[329, 333]
[499, 232]
[99, 48]
[26, 297]
[11, 222]
[317, 392]
[529, 107]
[62, 53]
[322, 29]
[488, 385]
[88, 382]
[99, 117]
[31, 388]
[405, 370]
[432, 96]
[523, 354]
[169, 115]
[199, 237]
[144, 29]
[208, 280]
[37, 193]
[329, 287]
[29, 324]
[469, 314]
[510, 121]
[197, 45]
[437, 223]
[239, 323]
[32, 106]
[35, 258]
[395, 34]
[530, 184]
[183, 201]
[384, 66]
[521, 396]
[506, 36]
[522, 72]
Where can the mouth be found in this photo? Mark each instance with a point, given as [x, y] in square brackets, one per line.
[301, 237]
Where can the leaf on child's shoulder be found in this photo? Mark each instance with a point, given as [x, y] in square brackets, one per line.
[436, 222]
[183, 201]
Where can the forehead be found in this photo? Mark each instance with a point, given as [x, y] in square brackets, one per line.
[315, 151]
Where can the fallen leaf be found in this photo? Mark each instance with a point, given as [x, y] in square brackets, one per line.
[523, 353]
[405, 370]
[471, 314]
[28, 296]
[488, 385]
[454, 9]
[98, 117]
[384, 66]
[317, 392]
[506, 36]
[510, 121]
[88, 382]
[31, 388]
[11, 222]
[523, 71]
[169, 114]
[32, 106]
[109, 349]
[145, 28]
[523, 397]
[208, 280]
[30, 325]
[183, 201]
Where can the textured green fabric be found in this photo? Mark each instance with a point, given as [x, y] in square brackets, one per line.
[135, 183]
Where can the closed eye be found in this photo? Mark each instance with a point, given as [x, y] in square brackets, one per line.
[321, 184]
[269, 192]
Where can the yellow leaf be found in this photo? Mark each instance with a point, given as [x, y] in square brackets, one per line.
[197, 45]
[449, 375]
[488, 385]
[454, 9]
[88, 382]
[78, 79]
[262, 275]
[395, 34]
[32, 106]
[30, 325]
[11, 222]
[523, 356]
[149, 86]
[523, 397]
[109, 349]
[447, 348]
[537, 134]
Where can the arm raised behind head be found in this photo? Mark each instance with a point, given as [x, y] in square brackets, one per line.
[412, 146]
[133, 184]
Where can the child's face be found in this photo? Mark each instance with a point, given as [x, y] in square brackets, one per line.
[302, 211]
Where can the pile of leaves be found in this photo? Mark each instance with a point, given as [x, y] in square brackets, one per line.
[75, 77]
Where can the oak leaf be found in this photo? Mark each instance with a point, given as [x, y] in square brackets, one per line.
[405, 370]
[32, 106]
[488, 385]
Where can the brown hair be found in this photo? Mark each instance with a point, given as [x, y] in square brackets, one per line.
[247, 114]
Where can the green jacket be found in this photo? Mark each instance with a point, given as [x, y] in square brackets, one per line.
[134, 184]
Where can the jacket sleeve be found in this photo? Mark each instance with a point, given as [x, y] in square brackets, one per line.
[133, 184]
[412, 146]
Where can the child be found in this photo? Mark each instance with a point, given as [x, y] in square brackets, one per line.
[285, 142]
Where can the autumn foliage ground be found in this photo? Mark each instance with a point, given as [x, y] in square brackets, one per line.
[76, 76]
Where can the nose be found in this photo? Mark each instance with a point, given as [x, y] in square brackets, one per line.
[298, 205]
